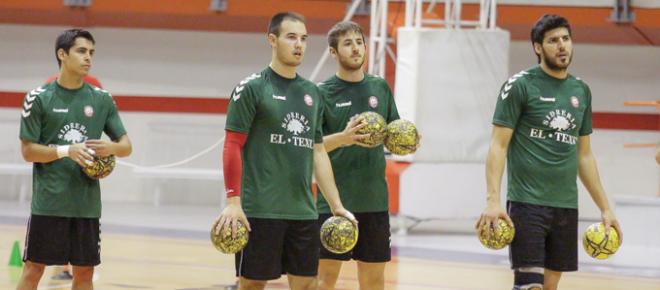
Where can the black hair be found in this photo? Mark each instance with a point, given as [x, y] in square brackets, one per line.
[68, 38]
[544, 24]
[276, 21]
[341, 29]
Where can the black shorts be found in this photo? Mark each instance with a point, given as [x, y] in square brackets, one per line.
[53, 240]
[277, 247]
[374, 242]
[545, 237]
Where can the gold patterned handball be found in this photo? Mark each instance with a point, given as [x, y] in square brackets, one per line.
[223, 241]
[100, 167]
[500, 237]
[402, 137]
[375, 127]
[598, 244]
[338, 234]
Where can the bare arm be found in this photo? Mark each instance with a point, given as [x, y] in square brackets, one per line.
[326, 181]
[497, 153]
[38, 153]
[346, 137]
[588, 172]
[334, 141]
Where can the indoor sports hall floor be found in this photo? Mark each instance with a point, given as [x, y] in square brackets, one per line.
[167, 247]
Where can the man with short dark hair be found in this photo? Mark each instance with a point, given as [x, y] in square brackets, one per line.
[61, 127]
[542, 124]
[273, 141]
[359, 168]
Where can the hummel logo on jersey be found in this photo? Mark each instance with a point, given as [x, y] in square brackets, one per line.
[281, 98]
[29, 101]
[509, 84]
[61, 110]
[344, 104]
[544, 99]
[241, 85]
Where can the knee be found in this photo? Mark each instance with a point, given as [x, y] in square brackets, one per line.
[373, 278]
[32, 271]
[83, 273]
[528, 278]
[247, 284]
[326, 282]
[328, 278]
[371, 272]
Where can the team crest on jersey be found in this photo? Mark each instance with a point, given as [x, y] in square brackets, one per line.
[373, 102]
[73, 133]
[560, 120]
[575, 102]
[308, 100]
[295, 123]
[89, 111]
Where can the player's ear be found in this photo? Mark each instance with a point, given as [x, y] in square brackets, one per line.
[61, 53]
[538, 48]
[332, 51]
[272, 39]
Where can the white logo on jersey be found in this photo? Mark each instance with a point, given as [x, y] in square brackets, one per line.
[73, 133]
[60, 110]
[575, 102]
[344, 104]
[544, 99]
[373, 102]
[509, 84]
[236, 94]
[559, 120]
[295, 123]
[29, 101]
[89, 111]
[281, 98]
[308, 100]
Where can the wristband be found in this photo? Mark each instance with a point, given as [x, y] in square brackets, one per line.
[62, 151]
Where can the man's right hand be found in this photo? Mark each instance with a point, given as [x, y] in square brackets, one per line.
[231, 215]
[80, 154]
[350, 136]
[489, 217]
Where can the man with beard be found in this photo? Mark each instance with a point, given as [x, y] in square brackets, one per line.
[542, 124]
[274, 140]
[360, 169]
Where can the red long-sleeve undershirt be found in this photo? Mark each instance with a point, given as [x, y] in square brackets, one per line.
[232, 163]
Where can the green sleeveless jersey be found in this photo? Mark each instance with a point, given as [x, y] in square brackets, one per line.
[51, 116]
[548, 116]
[359, 172]
[282, 118]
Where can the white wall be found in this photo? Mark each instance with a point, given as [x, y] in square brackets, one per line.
[456, 191]
[615, 73]
[208, 64]
[147, 61]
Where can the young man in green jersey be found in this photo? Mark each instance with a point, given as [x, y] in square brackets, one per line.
[274, 141]
[61, 127]
[542, 124]
[360, 169]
